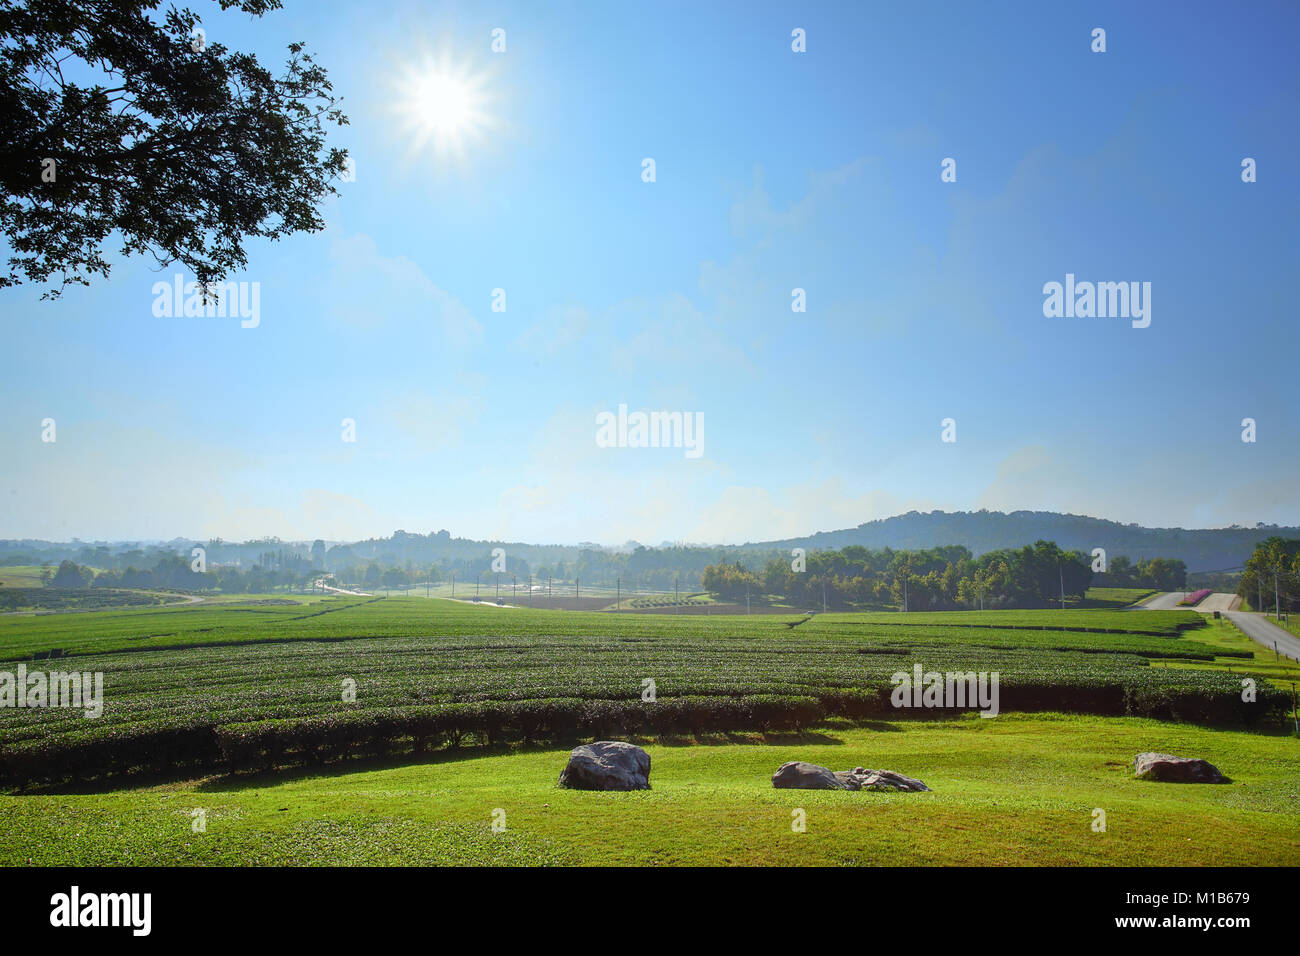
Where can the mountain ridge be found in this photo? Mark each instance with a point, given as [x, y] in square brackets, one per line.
[1203, 549]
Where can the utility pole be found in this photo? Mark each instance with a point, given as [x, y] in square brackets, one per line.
[618, 603]
[1061, 572]
[530, 589]
[904, 592]
[823, 595]
[747, 598]
[453, 585]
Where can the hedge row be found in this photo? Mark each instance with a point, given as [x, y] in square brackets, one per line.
[379, 731]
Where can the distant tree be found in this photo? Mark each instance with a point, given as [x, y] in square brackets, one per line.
[71, 575]
[1119, 571]
[1165, 574]
[730, 581]
[118, 119]
[1273, 568]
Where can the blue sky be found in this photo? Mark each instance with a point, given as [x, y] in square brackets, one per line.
[774, 170]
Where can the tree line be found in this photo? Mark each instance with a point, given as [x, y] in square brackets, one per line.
[943, 578]
[934, 579]
[1271, 579]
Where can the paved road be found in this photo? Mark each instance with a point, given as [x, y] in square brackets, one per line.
[1263, 631]
[1165, 601]
[1168, 601]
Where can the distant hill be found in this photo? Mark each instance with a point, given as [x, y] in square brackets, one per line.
[1206, 549]
[1203, 550]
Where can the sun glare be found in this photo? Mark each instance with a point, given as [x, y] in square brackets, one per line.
[442, 107]
[442, 103]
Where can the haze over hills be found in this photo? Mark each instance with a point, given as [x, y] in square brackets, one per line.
[1203, 549]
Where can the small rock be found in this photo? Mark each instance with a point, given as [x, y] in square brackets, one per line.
[1170, 769]
[607, 765]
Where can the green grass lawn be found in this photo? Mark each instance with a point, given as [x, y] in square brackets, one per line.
[1018, 789]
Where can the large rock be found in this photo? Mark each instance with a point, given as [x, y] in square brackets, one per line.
[607, 765]
[797, 775]
[1170, 769]
[860, 779]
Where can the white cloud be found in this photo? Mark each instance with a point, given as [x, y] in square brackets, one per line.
[369, 289]
[561, 328]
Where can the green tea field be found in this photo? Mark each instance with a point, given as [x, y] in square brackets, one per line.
[364, 719]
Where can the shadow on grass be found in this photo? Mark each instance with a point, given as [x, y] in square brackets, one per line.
[274, 777]
[210, 781]
[740, 738]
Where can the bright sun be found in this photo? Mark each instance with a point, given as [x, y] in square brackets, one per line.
[442, 103]
[443, 107]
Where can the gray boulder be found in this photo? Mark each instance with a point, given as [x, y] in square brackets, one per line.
[797, 775]
[607, 765]
[1170, 769]
[879, 780]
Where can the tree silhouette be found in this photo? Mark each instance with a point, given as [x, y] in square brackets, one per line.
[115, 118]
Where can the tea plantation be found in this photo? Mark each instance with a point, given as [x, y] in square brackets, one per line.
[256, 686]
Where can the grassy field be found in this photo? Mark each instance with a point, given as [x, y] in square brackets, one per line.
[1016, 790]
[21, 576]
[1114, 597]
[244, 619]
[517, 593]
[461, 709]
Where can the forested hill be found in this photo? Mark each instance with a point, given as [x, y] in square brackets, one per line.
[664, 566]
[1203, 550]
